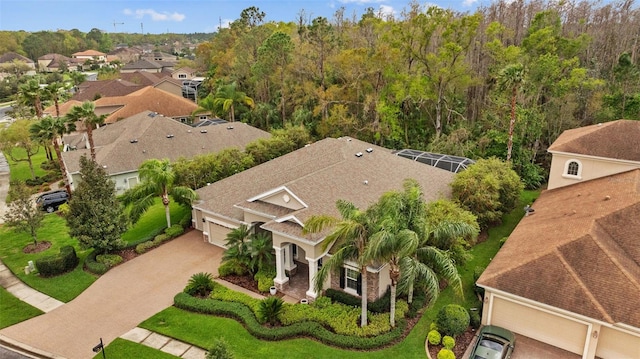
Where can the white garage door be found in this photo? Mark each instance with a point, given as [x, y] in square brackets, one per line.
[217, 234]
[539, 325]
[614, 344]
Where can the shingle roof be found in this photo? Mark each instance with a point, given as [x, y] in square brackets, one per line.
[89, 53]
[147, 98]
[64, 108]
[617, 139]
[114, 147]
[579, 250]
[319, 175]
[143, 78]
[143, 64]
[89, 90]
[10, 56]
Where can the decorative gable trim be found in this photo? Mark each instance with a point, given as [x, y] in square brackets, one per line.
[274, 191]
[290, 218]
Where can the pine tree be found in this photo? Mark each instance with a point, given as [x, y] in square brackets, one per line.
[95, 216]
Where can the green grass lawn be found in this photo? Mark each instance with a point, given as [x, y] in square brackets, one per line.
[14, 310]
[201, 330]
[20, 170]
[153, 221]
[124, 349]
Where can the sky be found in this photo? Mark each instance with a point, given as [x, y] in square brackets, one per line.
[181, 16]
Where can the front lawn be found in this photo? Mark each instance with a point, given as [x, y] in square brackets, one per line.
[154, 221]
[202, 330]
[14, 310]
[20, 170]
[127, 349]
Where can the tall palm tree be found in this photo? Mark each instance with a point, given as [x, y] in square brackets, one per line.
[85, 113]
[350, 234]
[50, 130]
[207, 105]
[228, 97]
[156, 180]
[511, 78]
[31, 94]
[53, 91]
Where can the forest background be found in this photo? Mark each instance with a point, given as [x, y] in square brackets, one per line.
[429, 78]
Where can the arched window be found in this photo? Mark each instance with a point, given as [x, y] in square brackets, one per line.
[572, 169]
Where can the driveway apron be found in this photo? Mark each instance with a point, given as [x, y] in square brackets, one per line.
[119, 300]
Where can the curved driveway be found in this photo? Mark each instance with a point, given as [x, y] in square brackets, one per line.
[119, 300]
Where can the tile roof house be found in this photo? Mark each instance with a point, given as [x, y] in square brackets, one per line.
[123, 146]
[569, 274]
[143, 78]
[55, 62]
[280, 195]
[90, 55]
[9, 58]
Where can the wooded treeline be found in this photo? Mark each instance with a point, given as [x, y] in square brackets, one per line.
[434, 79]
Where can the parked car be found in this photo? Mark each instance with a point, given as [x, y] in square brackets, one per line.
[493, 343]
[50, 201]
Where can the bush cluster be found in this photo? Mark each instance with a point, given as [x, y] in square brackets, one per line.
[57, 264]
[315, 330]
[264, 277]
[174, 231]
[219, 350]
[93, 266]
[230, 267]
[109, 260]
[380, 305]
[448, 342]
[168, 234]
[452, 320]
[446, 354]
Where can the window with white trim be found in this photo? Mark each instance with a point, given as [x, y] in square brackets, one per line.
[351, 279]
[572, 169]
[182, 76]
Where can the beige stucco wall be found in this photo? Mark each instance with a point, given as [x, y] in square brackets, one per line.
[214, 228]
[170, 88]
[591, 168]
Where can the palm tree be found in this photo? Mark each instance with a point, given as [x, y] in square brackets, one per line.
[31, 94]
[227, 97]
[85, 113]
[50, 130]
[206, 105]
[53, 91]
[157, 180]
[350, 234]
[237, 243]
[511, 78]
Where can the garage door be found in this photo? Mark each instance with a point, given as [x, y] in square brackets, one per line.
[615, 344]
[217, 234]
[539, 325]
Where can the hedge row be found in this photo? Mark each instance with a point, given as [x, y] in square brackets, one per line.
[93, 265]
[65, 261]
[245, 315]
[168, 234]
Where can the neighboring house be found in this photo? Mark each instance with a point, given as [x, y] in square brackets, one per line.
[185, 73]
[148, 66]
[569, 274]
[10, 60]
[90, 55]
[57, 62]
[123, 146]
[170, 85]
[93, 90]
[280, 195]
[161, 57]
[143, 78]
[64, 108]
[594, 151]
[126, 54]
[147, 98]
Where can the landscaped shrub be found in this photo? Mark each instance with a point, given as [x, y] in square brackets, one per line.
[418, 303]
[446, 354]
[185, 222]
[174, 231]
[264, 277]
[160, 238]
[433, 326]
[452, 320]
[200, 284]
[109, 260]
[269, 310]
[342, 297]
[245, 315]
[231, 267]
[477, 272]
[474, 319]
[448, 342]
[94, 266]
[145, 246]
[57, 264]
[223, 293]
[434, 337]
[219, 350]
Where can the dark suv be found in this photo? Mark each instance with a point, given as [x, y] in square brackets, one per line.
[50, 201]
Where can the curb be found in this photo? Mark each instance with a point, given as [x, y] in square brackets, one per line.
[26, 349]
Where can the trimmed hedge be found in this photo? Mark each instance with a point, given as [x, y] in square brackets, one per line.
[264, 277]
[434, 337]
[65, 261]
[446, 354]
[448, 342]
[110, 260]
[380, 305]
[93, 266]
[453, 320]
[246, 316]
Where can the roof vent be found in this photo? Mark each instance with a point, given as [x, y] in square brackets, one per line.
[135, 140]
[348, 140]
[169, 136]
[203, 131]
[359, 154]
[229, 127]
[152, 114]
[607, 197]
[369, 150]
[104, 166]
[188, 131]
[365, 182]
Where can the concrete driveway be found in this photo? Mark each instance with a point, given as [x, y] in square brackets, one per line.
[120, 299]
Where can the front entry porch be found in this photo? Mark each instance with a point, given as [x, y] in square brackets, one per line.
[298, 283]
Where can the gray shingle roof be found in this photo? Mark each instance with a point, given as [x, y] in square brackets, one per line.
[114, 147]
[319, 175]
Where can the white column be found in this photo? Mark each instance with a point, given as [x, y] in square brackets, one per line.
[289, 263]
[281, 277]
[313, 270]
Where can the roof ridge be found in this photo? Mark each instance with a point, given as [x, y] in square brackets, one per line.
[606, 243]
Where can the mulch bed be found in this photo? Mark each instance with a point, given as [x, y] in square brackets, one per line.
[462, 343]
[37, 248]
